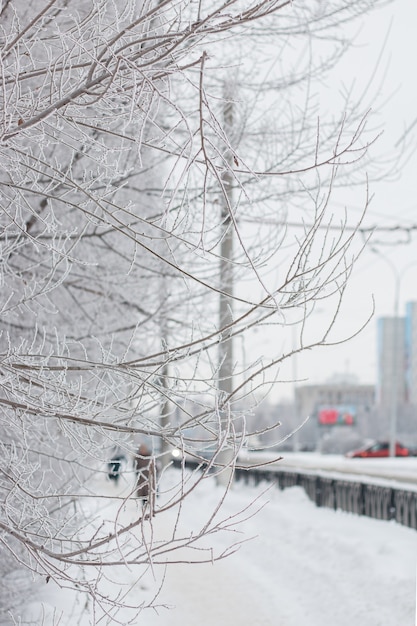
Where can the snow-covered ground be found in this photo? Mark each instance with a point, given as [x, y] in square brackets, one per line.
[304, 566]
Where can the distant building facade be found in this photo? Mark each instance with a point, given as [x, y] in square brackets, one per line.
[311, 399]
[344, 404]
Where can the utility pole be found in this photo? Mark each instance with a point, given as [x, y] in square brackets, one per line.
[225, 370]
[166, 408]
[396, 366]
[395, 347]
[393, 409]
[296, 403]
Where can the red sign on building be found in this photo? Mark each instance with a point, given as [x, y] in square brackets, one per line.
[337, 416]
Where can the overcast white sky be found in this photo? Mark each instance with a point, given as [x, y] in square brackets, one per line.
[394, 203]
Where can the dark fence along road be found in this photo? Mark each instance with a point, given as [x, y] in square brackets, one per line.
[377, 501]
[359, 497]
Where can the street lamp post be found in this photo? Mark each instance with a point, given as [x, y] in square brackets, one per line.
[395, 345]
[393, 417]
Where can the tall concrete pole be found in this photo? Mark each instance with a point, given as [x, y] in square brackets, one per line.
[397, 366]
[225, 370]
[395, 346]
[394, 358]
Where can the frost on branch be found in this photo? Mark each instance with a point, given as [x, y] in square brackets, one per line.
[150, 169]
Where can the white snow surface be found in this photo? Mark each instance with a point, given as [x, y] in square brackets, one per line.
[298, 565]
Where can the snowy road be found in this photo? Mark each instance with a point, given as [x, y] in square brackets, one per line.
[395, 470]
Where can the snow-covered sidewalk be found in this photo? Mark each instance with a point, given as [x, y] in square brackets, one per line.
[307, 567]
[304, 567]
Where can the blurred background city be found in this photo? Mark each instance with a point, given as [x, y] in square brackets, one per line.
[343, 412]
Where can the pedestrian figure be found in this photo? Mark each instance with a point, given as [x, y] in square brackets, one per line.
[145, 470]
[114, 466]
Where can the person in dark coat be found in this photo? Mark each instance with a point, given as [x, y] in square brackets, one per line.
[145, 469]
[114, 466]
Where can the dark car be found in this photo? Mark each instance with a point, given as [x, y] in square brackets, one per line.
[380, 449]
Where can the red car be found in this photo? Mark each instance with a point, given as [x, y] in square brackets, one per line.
[380, 449]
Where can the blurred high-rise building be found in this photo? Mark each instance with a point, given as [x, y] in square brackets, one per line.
[392, 362]
[397, 359]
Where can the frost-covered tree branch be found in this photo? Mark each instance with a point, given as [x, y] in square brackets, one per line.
[132, 203]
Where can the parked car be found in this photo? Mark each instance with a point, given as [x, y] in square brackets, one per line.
[380, 449]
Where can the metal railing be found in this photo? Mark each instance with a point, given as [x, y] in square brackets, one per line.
[372, 500]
